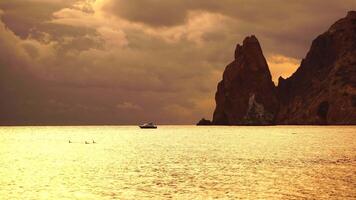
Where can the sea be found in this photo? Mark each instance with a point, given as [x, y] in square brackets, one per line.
[178, 162]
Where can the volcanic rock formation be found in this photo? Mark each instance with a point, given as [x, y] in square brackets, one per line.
[321, 91]
[246, 95]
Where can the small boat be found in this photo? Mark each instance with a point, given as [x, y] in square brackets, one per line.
[148, 125]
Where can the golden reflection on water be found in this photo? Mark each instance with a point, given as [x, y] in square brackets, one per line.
[180, 162]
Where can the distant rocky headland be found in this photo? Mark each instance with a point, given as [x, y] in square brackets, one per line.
[321, 91]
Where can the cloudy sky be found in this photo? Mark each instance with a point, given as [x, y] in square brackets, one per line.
[131, 61]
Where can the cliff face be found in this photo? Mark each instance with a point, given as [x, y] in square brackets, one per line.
[246, 95]
[323, 89]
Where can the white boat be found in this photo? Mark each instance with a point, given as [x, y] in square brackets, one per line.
[148, 125]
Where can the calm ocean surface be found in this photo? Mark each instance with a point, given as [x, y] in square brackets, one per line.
[178, 162]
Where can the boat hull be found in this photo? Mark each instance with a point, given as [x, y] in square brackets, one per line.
[148, 127]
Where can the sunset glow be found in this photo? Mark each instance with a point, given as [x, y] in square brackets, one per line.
[65, 57]
[177, 99]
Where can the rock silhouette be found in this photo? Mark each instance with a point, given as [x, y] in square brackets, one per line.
[321, 91]
[204, 122]
[246, 95]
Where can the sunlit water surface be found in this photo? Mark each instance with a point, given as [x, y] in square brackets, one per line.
[179, 162]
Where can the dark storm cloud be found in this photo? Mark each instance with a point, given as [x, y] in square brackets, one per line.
[295, 22]
[115, 61]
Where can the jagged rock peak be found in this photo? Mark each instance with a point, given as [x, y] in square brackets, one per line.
[250, 40]
[323, 89]
[246, 95]
[344, 23]
[250, 43]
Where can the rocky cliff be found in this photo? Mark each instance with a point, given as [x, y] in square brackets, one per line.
[246, 95]
[321, 91]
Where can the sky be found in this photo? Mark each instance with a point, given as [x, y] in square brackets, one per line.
[133, 61]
